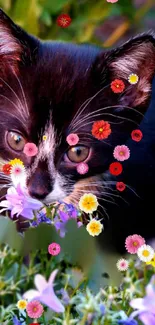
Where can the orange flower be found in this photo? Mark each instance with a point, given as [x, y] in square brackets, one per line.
[117, 86]
[101, 130]
[7, 169]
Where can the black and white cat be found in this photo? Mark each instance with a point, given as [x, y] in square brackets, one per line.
[57, 88]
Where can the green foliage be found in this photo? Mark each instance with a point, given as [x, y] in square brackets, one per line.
[39, 17]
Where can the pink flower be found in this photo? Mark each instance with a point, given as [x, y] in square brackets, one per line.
[121, 153]
[82, 168]
[34, 309]
[72, 139]
[122, 264]
[112, 1]
[54, 249]
[30, 149]
[132, 243]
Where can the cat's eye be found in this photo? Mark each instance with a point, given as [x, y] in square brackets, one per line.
[78, 154]
[15, 141]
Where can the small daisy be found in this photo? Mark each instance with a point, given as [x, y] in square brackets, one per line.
[122, 264]
[133, 78]
[6, 169]
[64, 20]
[18, 170]
[133, 242]
[121, 153]
[82, 168]
[44, 137]
[117, 86]
[120, 186]
[34, 309]
[145, 253]
[54, 249]
[88, 203]
[94, 227]
[21, 304]
[136, 135]
[115, 168]
[72, 139]
[101, 130]
[30, 149]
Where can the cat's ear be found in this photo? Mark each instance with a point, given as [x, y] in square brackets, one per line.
[137, 56]
[16, 46]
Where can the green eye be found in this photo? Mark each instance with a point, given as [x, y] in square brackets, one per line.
[15, 141]
[78, 154]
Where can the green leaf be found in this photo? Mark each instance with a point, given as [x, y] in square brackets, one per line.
[55, 6]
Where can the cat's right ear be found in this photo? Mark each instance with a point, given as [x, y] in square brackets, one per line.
[16, 46]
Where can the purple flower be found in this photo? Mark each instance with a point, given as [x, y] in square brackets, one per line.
[16, 321]
[61, 219]
[20, 203]
[41, 218]
[45, 293]
[146, 306]
[102, 308]
[128, 321]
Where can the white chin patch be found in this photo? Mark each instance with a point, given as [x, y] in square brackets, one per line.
[57, 194]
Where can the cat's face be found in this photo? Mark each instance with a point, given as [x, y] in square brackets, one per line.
[54, 89]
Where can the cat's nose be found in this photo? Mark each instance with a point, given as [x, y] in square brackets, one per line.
[39, 184]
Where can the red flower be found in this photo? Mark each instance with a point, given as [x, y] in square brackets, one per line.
[64, 20]
[117, 86]
[115, 168]
[136, 135]
[6, 169]
[120, 186]
[34, 323]
[101, 130]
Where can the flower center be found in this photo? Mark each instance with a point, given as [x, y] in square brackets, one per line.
[100, 129]
[117, 86]
[121, 153]
[146, 253]
[35, 309]
[135, 243]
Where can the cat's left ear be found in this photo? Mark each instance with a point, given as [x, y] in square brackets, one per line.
[16, 46]
[137, 56]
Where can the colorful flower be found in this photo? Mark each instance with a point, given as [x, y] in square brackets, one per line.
[121, 153]
[16, 321]
[94, 227]
[128, 321]
[63, 20]
[30, 149]
[136, 135]
[122, 264]
[117, 86]
[21, 304]
[101, 130]
[115, 168]
[6, 169]
[120, 186]
[16, 162]
[20, 203]
[145, 307]
[88, 203]
[82, 168]
[133, 78]
[112, 1]
[72, 139]
[45, 293]
[34, 309]
[68, 212]
[152, 262]
[133, 242]
[54, 249]
[44, 137]
[145, 253]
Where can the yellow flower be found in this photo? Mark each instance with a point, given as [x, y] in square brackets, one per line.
[133, 78]
[44, 137]
[94, 227]
[88, 203]
[21, 304]
[16, 161]
[152, 262]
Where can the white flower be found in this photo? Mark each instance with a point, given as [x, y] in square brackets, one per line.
[145, 253]
[122, 264]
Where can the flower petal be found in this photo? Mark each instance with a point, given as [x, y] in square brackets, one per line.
[147, 318]
[40, 282]
[137, 303]
[31, 294]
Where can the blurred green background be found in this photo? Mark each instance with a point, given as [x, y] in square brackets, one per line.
[95, 21]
